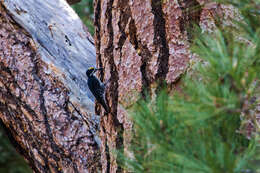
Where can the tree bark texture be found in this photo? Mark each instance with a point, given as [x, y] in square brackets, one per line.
[45, 105]
[141, 44]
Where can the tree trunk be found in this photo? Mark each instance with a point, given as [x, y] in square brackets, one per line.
[45, 105]
[141, 44]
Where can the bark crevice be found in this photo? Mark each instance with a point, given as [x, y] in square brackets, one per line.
[97, 19]
[145, 54]
[191, 10]
[113, 85]
[160, 39]
[43, 109]
[125, 14]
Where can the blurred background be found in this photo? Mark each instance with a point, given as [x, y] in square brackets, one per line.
[85, 11]
[10, 160]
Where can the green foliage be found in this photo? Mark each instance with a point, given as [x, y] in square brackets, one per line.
[198, 130]
[85, 11]
[10, 160]
[255, 160]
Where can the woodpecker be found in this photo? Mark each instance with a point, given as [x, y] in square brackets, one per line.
[97, 87]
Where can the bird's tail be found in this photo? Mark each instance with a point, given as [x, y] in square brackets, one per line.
[104, 105]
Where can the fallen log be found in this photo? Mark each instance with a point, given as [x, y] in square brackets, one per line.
[45, 104]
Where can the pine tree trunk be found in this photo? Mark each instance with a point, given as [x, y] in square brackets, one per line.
[141, 44]
[45, 105]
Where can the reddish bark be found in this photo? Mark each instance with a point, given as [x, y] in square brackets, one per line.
[140, 44]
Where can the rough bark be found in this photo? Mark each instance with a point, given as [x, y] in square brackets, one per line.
[45, 105]
[141, 44]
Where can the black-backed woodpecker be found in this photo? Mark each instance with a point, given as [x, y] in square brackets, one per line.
[97, 87]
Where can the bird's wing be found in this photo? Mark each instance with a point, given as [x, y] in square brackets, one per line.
[100, 92]
[102, 86]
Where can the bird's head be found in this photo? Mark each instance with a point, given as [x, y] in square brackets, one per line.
[91, 71]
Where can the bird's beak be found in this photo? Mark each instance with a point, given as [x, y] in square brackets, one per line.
[98, 69]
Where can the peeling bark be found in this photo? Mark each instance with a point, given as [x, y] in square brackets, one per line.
[140, 44]
[45, 105]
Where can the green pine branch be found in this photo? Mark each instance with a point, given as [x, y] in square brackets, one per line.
[201, 129]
